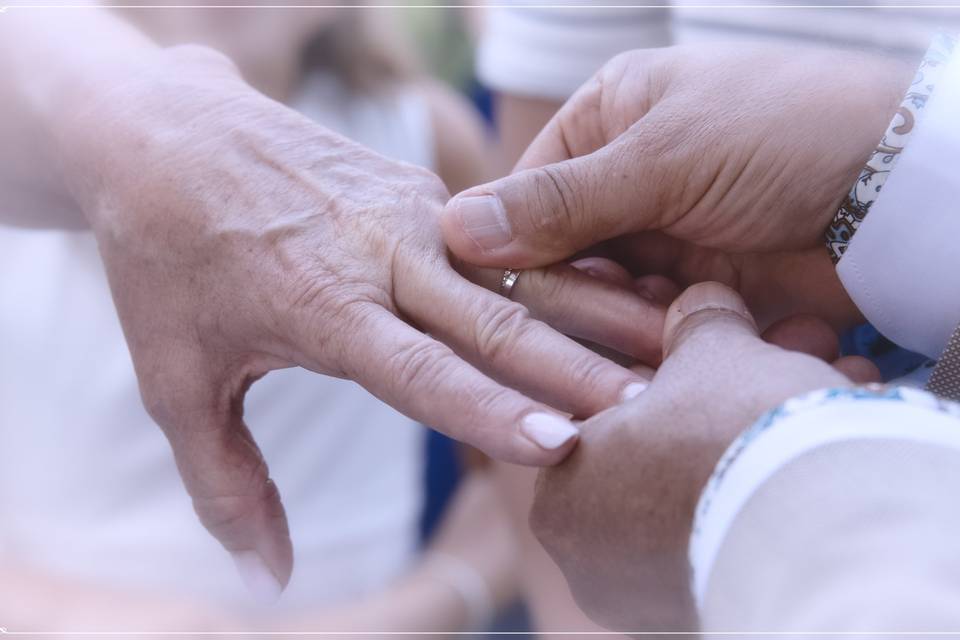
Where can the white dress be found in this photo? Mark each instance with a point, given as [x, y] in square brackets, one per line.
[88, 486]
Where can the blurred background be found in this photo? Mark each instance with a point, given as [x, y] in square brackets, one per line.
[396, 528]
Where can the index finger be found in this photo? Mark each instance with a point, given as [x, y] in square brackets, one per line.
[427, 381]
[499, 336]
[583, 306]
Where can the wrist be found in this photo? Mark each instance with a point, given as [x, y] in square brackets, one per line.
[799, 425]
[106, 120]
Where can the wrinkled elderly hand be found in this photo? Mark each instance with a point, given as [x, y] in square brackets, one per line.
[240, 237]
[731, 160]
[616, 516]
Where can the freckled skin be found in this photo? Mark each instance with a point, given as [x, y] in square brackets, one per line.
[240, 237]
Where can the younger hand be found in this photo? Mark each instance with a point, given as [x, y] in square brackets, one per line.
[722, 152]
[616, 516]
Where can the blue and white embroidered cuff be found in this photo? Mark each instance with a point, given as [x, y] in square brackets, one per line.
[798, 426]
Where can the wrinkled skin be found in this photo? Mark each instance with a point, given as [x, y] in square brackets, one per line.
[701, 163]
[240, 237]
[616, 515]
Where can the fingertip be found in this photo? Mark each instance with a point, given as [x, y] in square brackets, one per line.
[236, 501]
[266, 568]
[605, 270]
[707, 301]
[549, 431]
[657, 288]
[542, 437]
[859, 369]
[277, 545]
[644, 371]
[260, 580]
[633, 390]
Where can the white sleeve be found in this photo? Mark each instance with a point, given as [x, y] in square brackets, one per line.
[548, 52]
[837, 512]
[902, 268]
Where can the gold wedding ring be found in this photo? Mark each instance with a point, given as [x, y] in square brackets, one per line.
[507, 280]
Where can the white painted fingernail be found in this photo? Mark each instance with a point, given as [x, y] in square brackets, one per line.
[548, 430]
[258, 578]
[632, 390]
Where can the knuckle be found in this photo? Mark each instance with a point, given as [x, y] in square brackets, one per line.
[225, 516]
[487, 402]
[227, 512]
[160, 399]
[419, 365]
[200, 53]
[319, 293]
[588, 374]
[611, 75]
[433, 186]
[624, 59]
[552, 284]
[423, 186]
[179, 392]
[710, 330]
[158, 406]
[332, 327]
[499, 328]
[341, 337]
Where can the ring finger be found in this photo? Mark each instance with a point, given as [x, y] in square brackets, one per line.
[582, 306]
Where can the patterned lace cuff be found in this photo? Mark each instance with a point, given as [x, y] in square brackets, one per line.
[867, 187]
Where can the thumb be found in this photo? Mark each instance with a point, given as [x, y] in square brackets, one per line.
[226, 476]
[706, 319]
[542, 215]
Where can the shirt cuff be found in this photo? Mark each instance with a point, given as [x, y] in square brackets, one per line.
[799, 426]
[902, 268]
[548, 52]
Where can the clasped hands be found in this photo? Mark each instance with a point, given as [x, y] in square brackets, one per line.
[722, 165]
[258, 240]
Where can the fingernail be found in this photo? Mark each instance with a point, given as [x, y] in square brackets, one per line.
[484, 221]
[632, 390]
[704, 296]
[548, 430]
[258, 578]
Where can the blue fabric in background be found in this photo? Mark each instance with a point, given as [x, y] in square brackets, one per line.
[482, 99]
[893, 361]
[441, 476]
[443, 467]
